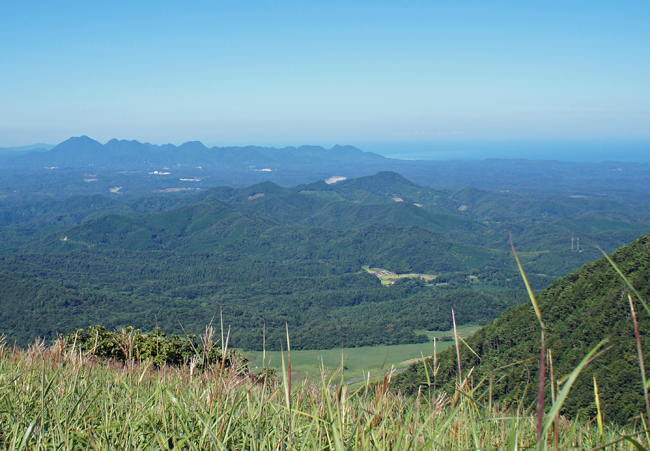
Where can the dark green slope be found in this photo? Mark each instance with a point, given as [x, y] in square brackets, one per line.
[213, 226]
[579, 310]
[383, 184]
[208, 225]
[286, 208]
[59, 213]
[490, 206]
[266, 200]
[75, 210]
[346, 216]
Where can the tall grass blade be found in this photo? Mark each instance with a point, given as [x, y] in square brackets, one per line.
[599, 412]
[556, 429]
[570, 380]
[286, 324]
[531, 295]
[542, 357]
[264, 347]
[470, 348]
[426, 370]
[627, 282]
[541, 389]
[284, 379]
[641, 360]
[636, 444]
[460, 369]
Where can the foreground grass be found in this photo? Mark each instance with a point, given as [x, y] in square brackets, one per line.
[51, 398]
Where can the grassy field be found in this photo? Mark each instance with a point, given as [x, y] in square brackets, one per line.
[357, 361]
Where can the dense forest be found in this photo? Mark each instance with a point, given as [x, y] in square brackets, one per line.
[265, 254]
[579, 311]
[45, 294]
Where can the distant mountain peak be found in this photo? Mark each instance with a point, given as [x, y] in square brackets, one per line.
[192, 145]
[80, 139]
[77, 145]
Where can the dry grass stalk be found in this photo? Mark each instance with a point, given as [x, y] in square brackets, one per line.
[208, 343]
[3, 345]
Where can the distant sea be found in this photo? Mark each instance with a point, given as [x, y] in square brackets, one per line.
[579, 151]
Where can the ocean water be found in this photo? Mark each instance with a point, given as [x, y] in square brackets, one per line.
[582, 151]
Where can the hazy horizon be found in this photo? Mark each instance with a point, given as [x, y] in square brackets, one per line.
[408, 74]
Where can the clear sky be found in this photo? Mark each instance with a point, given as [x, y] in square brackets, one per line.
[291, 73]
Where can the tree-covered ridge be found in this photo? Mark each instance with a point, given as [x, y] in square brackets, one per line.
[266, 254]
[579, 311]
[47, 294]
[542, 224]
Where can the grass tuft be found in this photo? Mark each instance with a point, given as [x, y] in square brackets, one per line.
[61, 398]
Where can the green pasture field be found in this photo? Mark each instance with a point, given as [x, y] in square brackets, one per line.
[357, 361]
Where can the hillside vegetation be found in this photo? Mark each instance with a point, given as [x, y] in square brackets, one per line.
[579, 310]
[265, 254]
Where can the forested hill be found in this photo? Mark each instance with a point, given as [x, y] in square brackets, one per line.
[268, 254]
[214, 227]
[248, 252]
[579, 310]
[542, 224]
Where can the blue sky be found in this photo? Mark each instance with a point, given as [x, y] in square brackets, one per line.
[290, 73]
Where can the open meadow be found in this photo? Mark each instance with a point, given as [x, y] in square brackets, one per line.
[357, 362]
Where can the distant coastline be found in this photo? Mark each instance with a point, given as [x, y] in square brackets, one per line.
[588, 151]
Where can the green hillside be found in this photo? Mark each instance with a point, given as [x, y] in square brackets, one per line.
[266, 254]
[579, 310]
[213, 226]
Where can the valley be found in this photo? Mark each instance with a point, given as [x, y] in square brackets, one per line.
[265, 254]
[363, 272]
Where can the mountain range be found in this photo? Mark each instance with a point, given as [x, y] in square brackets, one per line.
[81, 165]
